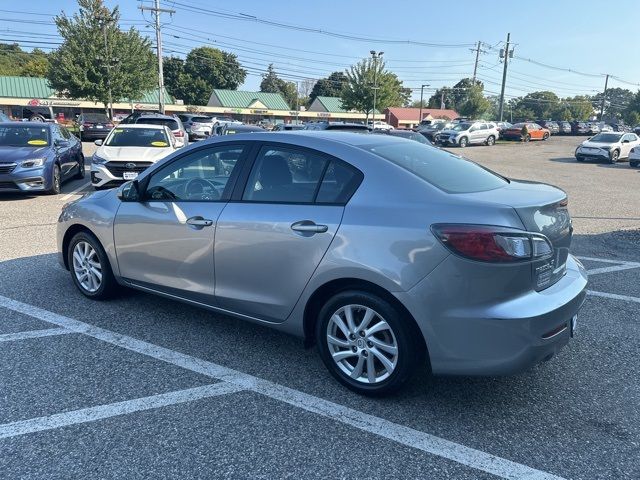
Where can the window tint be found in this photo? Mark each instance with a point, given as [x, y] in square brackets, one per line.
[65, 133]
[442, 169]
[483, 126]
[168, 122]
[285, 175]
[198, 177]
[339, 183]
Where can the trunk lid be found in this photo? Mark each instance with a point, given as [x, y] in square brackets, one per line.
[542, 209]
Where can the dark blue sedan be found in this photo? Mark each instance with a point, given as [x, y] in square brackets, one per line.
[38, 157]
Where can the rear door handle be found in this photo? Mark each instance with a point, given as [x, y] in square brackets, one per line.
[307, 226]
[199, 222]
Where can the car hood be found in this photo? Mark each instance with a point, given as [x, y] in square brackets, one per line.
[16, 154]
[597, 144]
[139, 154]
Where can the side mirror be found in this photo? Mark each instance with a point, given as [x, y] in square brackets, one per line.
[129, 192]
[61, 143]
[98, 142]
[625, 141]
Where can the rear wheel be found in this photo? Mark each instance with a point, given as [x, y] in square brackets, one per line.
[491, 140]
[545, 136]
[580, 159]
[464, 141]
[615, 155]
[367, 344]
[633, 164]
[90, 268]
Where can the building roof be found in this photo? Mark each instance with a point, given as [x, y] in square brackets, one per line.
[413, 114]
[37, 87]
[328, 104]
[244, 99]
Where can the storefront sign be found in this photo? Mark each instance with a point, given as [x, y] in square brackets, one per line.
[260, 111]
[324, 114]
[52, 103]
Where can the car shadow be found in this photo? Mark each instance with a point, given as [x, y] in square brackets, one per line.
[600, 164]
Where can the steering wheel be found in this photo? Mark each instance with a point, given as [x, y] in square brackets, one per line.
[161, 193]
[197, 186]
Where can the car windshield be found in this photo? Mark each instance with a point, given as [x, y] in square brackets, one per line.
[442, 169]
[606, 138]
[95, 118]
[137, 137]
[19, 136]
[461, 127]
[167, 122]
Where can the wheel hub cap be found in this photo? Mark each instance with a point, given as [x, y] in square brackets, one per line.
[86, 267]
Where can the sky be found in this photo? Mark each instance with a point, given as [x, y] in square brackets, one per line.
[425, 42]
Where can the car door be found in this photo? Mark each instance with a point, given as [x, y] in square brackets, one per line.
[64, 152]
[274, 232]
[164, 241]
[628, 141]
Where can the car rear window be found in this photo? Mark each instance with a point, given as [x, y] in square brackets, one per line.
[442, 169]
[201, 119]
[168, 122]
[95, 118]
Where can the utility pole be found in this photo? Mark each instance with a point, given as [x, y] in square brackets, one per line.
[441, 100]
[108, 62]
[604, 96]
[157, 11]
[507, 53]
[421, 96]
[375, 57]
[475, 66]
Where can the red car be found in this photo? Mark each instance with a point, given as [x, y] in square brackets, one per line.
[534, 132]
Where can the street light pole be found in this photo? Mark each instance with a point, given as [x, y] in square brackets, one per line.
[104, 21]
[375, 57]
[421, 96]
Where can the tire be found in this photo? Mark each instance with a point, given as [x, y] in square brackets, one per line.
[359, 348]
[36, 118]
[633, 164]
[613, 158]
[491, 141]
[464, 141]
[527, 138]
[81, 173]
[545, 136]
[81, 269]
[580, 159]
[56, 181]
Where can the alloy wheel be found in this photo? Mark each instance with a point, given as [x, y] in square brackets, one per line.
[86, 266]
[362, 344]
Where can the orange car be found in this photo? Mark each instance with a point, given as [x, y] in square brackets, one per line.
[534, 132]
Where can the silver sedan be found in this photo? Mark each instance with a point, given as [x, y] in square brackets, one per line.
[389, 255]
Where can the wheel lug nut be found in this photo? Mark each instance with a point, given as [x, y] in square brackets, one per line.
[365, 353]
[354, 349]
[369, 344]
[362, 333]
[352, 336]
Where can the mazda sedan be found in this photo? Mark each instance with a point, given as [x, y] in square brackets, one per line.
[389, 255]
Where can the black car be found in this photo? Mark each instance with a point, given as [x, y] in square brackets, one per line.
[431, 132]
[636, 129]
[620, 127]
[552, 126]
[38, 157]
[36, 113]
[408, 134]
[580, 128]
[232, 129]
[283, 127]
[342, 126]
[564, 128]
[93, 126]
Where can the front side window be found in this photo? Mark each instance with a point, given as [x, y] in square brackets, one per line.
[199, 176]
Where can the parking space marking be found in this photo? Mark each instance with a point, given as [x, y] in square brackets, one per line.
[614, 268]
[91, 414]
[75, 192]
[607, 260]
[613, 296]
[425, 442]
[49, 332]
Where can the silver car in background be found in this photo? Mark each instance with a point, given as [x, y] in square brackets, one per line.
[469, 133]
[610, 147]
[389, 255]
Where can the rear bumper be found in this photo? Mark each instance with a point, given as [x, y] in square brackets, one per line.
[494, 338]
[95, 134]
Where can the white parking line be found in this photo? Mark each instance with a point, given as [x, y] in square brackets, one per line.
[613, 296]
[614, 268]
[100, 412]
[49, 332]
[425, 442]
[74, 192]
[608, 260]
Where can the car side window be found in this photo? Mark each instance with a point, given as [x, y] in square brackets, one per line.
[339, 183]
[200, 176]
[285, 175]
[65, 133]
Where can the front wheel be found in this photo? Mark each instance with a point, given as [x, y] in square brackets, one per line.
[464, 141]
[633, 164]
[545, 136]
[367, 344]
[615, 155]
[81, 172]
[90, 268]
[526, 138]
[491, 140]
[56, 181]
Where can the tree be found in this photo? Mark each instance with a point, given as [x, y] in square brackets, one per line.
[454, 97]
[331, 86]
[474, 105]
[79, 67]
[16, 62]
[632, 112]
[416, 104]
[442, 96]
[172, 68]
[616, 102]
[542, 104]
[358, 92]
[271, 83]
[580, 106]
[208, 68]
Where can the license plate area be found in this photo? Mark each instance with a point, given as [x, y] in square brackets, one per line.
[130, 175]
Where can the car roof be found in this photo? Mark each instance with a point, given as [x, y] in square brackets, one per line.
[142, 125]
[29, 124]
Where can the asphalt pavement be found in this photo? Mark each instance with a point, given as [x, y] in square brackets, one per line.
[143, 387]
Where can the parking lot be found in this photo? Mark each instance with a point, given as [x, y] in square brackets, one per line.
[142, 387]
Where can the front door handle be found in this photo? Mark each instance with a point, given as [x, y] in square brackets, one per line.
[199, 222]
[308, 226]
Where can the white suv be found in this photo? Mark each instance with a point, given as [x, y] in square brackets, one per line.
[469, 133]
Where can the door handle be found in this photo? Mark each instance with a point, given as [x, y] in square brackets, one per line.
[199, 222]
[307, 226]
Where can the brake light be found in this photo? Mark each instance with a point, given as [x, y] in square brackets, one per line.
[109, 125]
[178, 133]
[492, 244]
[86, 125]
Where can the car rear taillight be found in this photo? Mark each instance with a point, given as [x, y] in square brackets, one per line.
[109, 125]
[87, 125]
[486, 243]
[178, 133]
